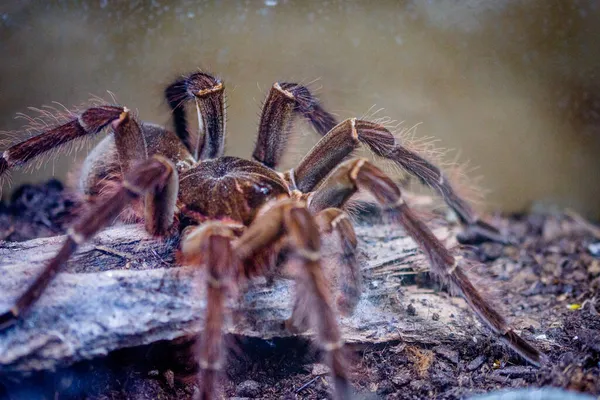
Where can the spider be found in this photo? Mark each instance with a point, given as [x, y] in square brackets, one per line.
[239, 218]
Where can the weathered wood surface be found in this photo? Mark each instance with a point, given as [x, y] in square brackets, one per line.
[123, 290]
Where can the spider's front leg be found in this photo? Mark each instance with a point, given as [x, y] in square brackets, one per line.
[284, 103]
[208, 94]
[347, 136]
[209, 246]
[155, 178]
[357, 174]
[313, 305]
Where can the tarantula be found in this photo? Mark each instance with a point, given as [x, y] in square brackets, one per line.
[238, 217]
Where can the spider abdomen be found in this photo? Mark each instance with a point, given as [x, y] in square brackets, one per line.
[102, 164]
[229, 187]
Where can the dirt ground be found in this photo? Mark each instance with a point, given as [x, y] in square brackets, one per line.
[552, 271]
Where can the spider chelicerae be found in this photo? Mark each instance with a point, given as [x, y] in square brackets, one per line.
[239, 218]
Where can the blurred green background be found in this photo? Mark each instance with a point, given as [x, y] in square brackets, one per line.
[513, 86]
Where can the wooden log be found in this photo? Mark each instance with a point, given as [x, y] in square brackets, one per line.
[123, 289]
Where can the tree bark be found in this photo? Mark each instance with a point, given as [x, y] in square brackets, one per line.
[124, 289]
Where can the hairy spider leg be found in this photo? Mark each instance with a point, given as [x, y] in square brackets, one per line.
[208, 94]
[313, 303]
[284, 102]
[209, 246]
[348, 135]
[88, 123]
[358, 174]
[154, 175]
[335, 225]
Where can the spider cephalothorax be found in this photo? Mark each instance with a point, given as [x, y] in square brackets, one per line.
[240, 216]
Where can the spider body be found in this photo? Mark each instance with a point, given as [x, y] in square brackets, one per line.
[224, 187]
[241, 216]
[229, 187]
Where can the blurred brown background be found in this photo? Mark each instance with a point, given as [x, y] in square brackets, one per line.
[513, 86]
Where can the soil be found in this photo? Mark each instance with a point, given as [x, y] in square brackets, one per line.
[551, 271]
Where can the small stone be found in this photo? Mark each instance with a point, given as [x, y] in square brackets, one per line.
[476, 363]
[320, 369]
[594, 249]
[435, 316]
[248, 388]
[411, 310]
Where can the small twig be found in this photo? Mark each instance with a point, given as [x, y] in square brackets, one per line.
[307, 384]
[152, 302]
[113, 252]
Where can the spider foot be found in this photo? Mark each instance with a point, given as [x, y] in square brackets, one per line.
[524, 348]
[479, 232]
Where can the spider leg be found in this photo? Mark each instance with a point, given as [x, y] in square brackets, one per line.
[284, 102]
[347, 136]
[291, 219]
[130, 141]
[359, 174]
[154, 175]
[208, 94]
[335, 226]
[209, 246]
